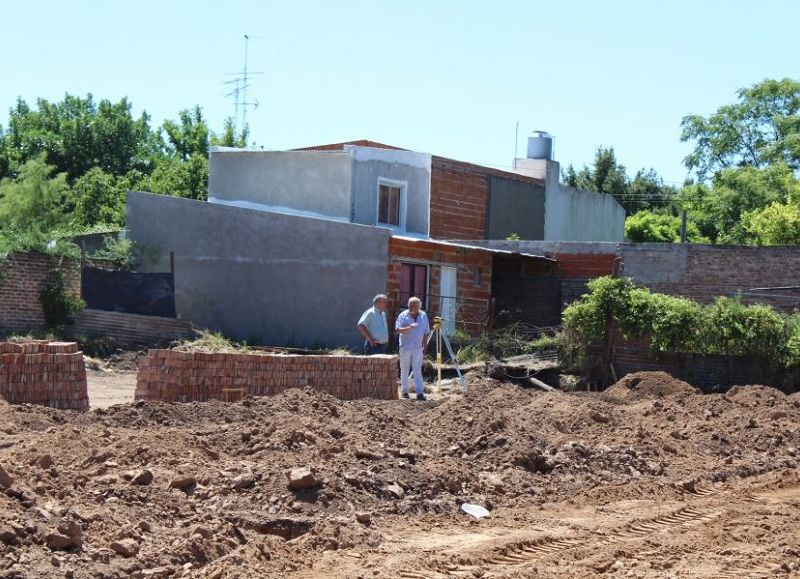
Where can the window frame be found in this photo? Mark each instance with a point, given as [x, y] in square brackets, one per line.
[403, 186]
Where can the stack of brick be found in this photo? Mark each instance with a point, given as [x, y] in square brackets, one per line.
[173, 376]
[41, 372]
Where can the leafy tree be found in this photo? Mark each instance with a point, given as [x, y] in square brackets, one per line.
[98, 198]
[78, 134]
[778, 224]
[718, 208]
[646, 226]
[180, 178]
[645, 191]
[761, 129]
[33, 202]
[189, 136]
[228, 137]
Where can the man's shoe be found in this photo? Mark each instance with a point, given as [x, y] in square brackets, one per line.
[421, 397]
[405, 395]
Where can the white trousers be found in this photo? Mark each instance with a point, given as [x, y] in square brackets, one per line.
[411, 360]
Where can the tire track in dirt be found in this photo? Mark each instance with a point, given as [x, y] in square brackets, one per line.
[519, 553]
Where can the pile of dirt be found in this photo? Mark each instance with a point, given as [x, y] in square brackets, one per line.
[649, 385]
[266, 486]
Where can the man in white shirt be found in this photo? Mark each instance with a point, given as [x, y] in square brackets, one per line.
[412, 325]
[374, 328]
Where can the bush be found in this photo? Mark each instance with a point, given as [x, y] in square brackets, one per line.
[119, 252]
[674, 324]
[58, 304]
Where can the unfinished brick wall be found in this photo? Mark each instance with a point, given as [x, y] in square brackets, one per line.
[473, 278]
[459, 196]
[21, 278]
[47, 373]
[172, 376]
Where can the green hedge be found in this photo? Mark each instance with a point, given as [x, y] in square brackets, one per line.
[679, 325]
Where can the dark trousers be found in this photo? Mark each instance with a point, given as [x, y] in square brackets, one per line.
[376, 349]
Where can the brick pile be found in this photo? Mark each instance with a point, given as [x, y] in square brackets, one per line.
[173, 376]
[41, 372]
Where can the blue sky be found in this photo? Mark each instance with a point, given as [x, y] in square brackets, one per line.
[445, 77]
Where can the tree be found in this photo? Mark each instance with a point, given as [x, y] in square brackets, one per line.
[78, 134]
[228, 137]
[646, 226]
[778, 224]
[181, 178]
[761, 129]
[189, 136]
[97, 199]
[33, 202]
[645, 191]
[718, 208]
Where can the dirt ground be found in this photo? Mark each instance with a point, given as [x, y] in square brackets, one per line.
[649, 479]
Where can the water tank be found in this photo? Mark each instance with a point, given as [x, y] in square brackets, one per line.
[540, 145]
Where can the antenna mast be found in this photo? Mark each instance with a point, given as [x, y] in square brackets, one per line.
[241, 82]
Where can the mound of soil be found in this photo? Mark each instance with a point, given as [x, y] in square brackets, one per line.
[275, 485]
[649, 385]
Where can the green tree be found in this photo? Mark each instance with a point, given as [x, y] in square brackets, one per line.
[189, 136]
[33, 202]
[761, 129]
[97, 198]
[778, 224]
[646, 226]
[229, 137]
[78, 134]
[180, 178]
[718, 208]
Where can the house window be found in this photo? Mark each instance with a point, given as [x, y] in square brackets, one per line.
[391, 203]
[413, 282]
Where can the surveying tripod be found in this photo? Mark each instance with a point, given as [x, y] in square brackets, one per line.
[442, 337]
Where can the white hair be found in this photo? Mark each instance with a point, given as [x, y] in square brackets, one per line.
[378, 298]
[414, 300]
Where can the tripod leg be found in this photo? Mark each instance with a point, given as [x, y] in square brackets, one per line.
[461, 379]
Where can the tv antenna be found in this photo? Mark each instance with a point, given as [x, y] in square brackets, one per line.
[241, 82]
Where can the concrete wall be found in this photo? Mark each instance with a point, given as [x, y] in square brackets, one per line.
[279, 279]
[413, 169]
[314, 182]
[515, 207]
[572, 214]
[575, 215]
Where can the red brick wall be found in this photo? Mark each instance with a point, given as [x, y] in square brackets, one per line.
[21, 278]
[584, 265]
[52, 374]
[173, 376]
[458, 202]
[434, 255]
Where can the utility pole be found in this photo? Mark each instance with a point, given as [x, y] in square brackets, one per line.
[683, 226]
